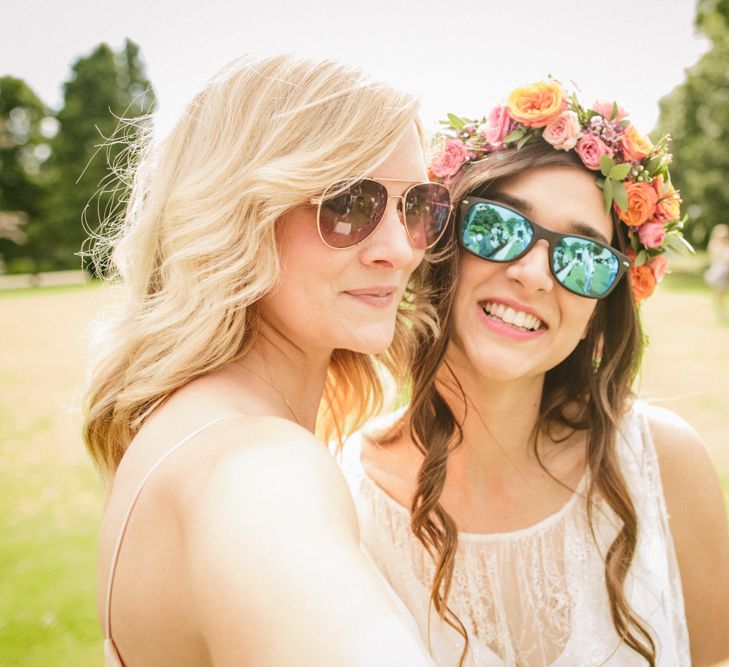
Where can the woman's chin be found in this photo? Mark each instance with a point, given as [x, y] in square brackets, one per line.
[372, 342]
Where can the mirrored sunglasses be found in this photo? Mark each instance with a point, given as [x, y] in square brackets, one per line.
[348, 213]
[499, 233]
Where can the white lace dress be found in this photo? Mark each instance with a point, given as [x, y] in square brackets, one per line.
[537, 597]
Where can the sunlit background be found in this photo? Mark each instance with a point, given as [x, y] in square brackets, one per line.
[68, 70]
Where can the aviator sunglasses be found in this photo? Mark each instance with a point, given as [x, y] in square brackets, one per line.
[499, 233]
[347, 213]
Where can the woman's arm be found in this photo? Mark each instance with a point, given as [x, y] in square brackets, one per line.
[277, 576]
[699, 527]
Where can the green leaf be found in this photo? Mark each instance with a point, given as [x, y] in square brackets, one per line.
[641, 258]
[600, 182]
[676, 242]
[619, 172]
[614, 111]
[517, 134]
[624, 123]
[620, 194]
[606, 164]
[634, 242]
[455, 121]
[523, 140]
[607, 194]
[653, 164]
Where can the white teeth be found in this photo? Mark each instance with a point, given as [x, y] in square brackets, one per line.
[519, 319]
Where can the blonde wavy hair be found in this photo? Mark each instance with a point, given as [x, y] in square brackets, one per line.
[195, 249]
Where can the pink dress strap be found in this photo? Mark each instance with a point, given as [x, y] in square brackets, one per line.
[111, 653]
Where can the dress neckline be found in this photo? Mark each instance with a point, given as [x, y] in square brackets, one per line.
[539, 527]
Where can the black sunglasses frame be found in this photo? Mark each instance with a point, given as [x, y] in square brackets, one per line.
[319, 201]
[539, 233]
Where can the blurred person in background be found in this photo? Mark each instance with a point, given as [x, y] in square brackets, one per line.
[268, 253]
[717, 275]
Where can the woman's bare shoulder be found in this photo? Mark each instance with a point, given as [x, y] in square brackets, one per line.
[698, 526]
[686, 469]
[273, 547]
[678, 445]
[265, 462]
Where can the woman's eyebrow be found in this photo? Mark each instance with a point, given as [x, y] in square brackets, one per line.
[575, 226]
[584, 229]
[515, 202]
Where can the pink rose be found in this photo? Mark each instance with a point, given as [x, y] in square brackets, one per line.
[652, 234]
[591, 148]
[563, 131]
[499, 126]
[658, 265]
[605, 109]
[451, 158]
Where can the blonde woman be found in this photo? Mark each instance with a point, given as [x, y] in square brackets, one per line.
[265, 254]
[526, 508]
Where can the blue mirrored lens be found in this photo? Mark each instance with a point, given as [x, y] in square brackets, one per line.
[495, 233]
[583, 266]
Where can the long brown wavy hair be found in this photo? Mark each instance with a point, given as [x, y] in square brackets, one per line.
[596, 378]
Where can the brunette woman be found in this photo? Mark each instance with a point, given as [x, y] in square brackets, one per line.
[526, 508]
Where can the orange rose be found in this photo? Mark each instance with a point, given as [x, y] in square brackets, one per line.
[635, 147]
[535, 105]
[642, 281]
[642, 200]
[668, 207]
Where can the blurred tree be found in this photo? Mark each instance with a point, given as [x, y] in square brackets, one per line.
[25, 127]
[696, 113]
[106, 91]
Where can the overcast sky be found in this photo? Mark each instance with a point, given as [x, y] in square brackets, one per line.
[460, 56]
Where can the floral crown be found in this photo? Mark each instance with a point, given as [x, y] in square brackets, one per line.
[634, 176]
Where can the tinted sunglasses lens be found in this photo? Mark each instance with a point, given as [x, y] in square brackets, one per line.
[427, 209]
[349, 216]
[584, 267]
[495, 233]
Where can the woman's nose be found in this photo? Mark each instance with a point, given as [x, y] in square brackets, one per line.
[532, 270]
[389, 244]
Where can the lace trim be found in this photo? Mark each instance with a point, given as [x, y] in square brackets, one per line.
[536, 596]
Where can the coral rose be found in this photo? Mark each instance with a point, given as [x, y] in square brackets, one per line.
[668, 207]
[563, 131]
[499, 126]
[658, 265]
[652, 234]
[536, 104]
[591, 148]
[635, 147]
[642, 200]
[451, 158]
[642, 281]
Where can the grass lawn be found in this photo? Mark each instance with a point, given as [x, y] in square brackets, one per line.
[51, 500]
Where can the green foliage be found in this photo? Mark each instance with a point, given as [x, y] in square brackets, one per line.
[63, 176]
[90, 150]
[696, 113]
[23, 152]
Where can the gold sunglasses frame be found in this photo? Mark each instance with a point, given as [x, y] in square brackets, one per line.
[317, 201]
